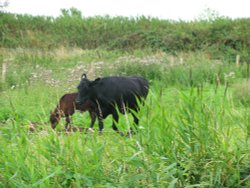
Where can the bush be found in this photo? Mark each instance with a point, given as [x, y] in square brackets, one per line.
[241, 93]
[5, 114]
[220, 37]
[186, 74]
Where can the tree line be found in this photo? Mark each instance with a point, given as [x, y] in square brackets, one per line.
[218, 37]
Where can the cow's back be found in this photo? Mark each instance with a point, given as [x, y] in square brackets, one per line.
[143, 86]
[120, 90]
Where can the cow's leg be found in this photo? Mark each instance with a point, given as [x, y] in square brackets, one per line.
[100, 122]
[99, 113]
[115, 121]
[136, 122]
[93, 118]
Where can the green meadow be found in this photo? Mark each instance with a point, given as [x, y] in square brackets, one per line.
[194, 127]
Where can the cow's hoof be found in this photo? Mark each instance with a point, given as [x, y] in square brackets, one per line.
[121, 133]
[90, 130]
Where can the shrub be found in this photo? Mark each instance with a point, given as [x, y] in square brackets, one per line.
[220, 37]
[241, 92]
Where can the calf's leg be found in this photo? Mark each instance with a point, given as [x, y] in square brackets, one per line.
[67, 123]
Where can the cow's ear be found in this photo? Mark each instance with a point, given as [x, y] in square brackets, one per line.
[95, 82]
[84, 76]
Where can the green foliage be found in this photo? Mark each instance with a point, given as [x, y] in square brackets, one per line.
[185, 74]
[219, 36]
[191, 132]
[194, 126]
[5, 114]
[242, 93]
[185, 139]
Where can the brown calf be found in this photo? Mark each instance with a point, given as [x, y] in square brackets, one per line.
[67, 107]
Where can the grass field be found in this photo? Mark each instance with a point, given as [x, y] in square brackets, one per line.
[194, 127]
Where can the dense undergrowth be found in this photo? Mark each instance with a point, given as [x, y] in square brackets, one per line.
[220, 37]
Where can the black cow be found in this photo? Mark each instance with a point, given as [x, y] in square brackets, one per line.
[111, 93]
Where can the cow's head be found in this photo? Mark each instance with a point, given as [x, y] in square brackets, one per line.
[85, 89]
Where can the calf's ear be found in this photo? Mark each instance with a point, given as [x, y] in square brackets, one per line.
[95, 82]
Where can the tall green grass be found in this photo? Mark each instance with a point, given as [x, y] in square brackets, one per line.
[184, 139]
[194, 130]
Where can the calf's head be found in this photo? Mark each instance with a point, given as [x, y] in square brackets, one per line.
[54, 119]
